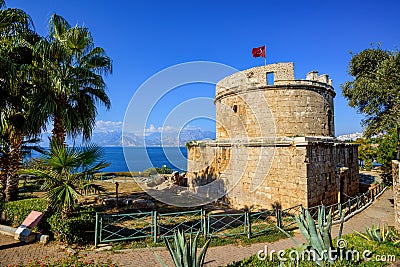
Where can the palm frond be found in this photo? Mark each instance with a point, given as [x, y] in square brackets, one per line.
[58, 26]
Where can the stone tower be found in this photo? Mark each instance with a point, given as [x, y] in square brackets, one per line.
[275, 142]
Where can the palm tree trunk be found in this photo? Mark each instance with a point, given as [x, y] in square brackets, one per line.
[58, 123]
[14, 165]
[398, 142]
[4, 163]
[58, 130]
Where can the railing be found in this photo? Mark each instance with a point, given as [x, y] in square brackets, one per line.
[261, 222]
[286, 216]
[124, 227]
[120, 227]
[187, 222]
[227, 224]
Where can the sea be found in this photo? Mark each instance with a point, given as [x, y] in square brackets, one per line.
[142, 158]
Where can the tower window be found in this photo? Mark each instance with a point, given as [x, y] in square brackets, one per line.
[270, 78]
[235, 108]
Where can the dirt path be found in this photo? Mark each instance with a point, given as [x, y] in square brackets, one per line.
[12, 252]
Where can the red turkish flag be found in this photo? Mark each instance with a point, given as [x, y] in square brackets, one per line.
[258, 51]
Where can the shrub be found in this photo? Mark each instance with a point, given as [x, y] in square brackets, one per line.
[368, 164]
[164, 170]
[17, 211]
[76, 228]
[70, 260]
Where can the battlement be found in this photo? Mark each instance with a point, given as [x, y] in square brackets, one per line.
[283, 74]
[323, 78]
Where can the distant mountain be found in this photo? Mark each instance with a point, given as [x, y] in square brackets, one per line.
[114, 138]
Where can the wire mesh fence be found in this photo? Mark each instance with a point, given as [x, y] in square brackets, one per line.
[121, 227]
[261, 222]
[187, 222]
[227, 224]
[124, 227]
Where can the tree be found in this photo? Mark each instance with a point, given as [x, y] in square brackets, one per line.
[374, 91]
[387, 145]
[366, 152]
[16, 65]
[67, 174]
[74, 68]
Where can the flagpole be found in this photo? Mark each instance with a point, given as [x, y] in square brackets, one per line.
[265, 55]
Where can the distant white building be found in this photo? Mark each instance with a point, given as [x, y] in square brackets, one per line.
[349, 137]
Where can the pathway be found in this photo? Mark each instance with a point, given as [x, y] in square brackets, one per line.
[12, 252]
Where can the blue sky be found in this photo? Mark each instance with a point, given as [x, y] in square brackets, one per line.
[145, 37]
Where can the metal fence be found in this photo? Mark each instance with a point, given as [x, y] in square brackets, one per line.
[227, 224]
[125, 227]
[187, 222]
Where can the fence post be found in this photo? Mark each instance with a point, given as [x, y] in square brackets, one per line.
[96, 230]
[208, 225]
[358, 203]
[349, 205]
[249, 224]
[278, 217]
[155, 226]
[204, 222]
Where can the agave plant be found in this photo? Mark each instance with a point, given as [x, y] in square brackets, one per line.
[183, 253]
[318, 236]
[377, 234]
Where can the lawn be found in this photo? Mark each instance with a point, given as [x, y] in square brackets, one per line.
[375, 254]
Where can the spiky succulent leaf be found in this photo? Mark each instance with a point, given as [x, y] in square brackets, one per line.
[303, 228]
[202, 255]
[172, 252]
[193, 247]
[316, 240]
[288, 235]
[321, 219]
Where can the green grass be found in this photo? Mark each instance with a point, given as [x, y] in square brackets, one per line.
[354, 242]
[241, 240]
[66, 261]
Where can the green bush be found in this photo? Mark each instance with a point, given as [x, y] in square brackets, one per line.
[164, 170]
[77, 228]
[69, 260]
[368, 165]
[17, 211]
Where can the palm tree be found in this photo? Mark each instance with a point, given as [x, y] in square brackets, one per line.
[68, 172]
[16, 41]
[74, 68]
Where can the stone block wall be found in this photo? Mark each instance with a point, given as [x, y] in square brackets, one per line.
[287, 108]
[332, 172]
[294, 172]
[256, 76]
[254, 176]
[396, 192]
